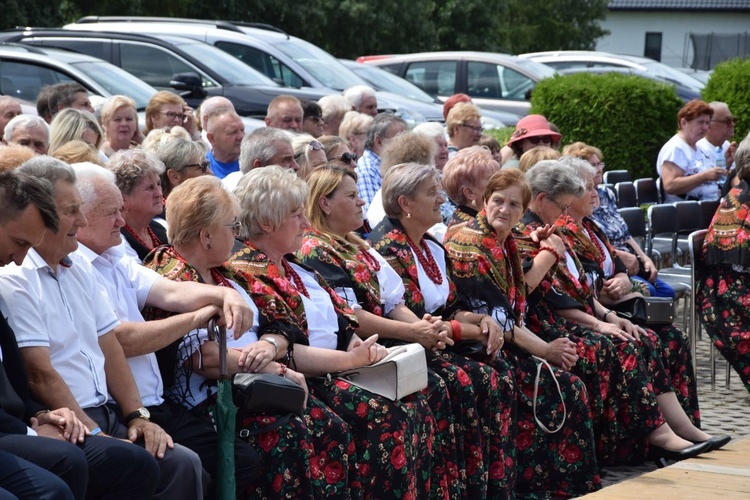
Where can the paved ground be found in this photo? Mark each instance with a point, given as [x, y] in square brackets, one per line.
[723, 410]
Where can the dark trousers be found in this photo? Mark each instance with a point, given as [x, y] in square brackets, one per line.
[180, 471]
[198, 434]
[114, 470]
[51, 475]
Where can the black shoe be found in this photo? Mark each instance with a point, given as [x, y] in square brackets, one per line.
[677, 455]
[716, 442]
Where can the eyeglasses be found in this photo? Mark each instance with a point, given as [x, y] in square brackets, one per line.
[202, 165]
[477, 130]
[725, 121]
[545, 139]
[599, 165]
[236, 226]
[313, 146]
[172, 115]
[563, 208]
[347, 157]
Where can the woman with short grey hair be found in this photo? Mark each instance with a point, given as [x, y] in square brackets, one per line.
[138, 176]
[405, 180]
[182, 160]
[334, 107]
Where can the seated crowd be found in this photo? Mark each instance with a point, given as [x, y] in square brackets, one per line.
[320, 241]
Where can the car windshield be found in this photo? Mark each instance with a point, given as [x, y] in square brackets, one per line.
[226, 65]
[383, 80]
[117, 81]
[670, 74]
[538, 69]
[322, 65]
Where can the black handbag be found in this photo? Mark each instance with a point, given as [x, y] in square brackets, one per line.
[647, 311]
[267, 393]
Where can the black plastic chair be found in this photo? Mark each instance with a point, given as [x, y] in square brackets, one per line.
[647, 191]
[626, 196]
[689, 219]
[615, 176]
[662, 231]
[708, 209]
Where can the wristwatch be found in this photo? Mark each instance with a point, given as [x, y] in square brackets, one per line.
[141, 412]
[273, 342]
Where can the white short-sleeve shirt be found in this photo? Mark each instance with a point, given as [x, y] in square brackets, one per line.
[65, 311]
[690, 161]
[128, 284]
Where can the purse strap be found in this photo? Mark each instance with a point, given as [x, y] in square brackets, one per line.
[540, 363]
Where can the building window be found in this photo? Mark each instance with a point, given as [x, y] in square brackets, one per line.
[652, 48]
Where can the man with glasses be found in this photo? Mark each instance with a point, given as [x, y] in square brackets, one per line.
[225, 131]
[716, 142]
[131, 287]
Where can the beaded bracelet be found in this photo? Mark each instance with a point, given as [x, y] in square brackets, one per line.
[551, 250]
[283, 369]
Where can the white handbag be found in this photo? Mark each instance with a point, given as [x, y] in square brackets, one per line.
[402, 372]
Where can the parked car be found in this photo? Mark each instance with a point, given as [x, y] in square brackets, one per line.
[564, 59]
[494, 81]
[684, 93]
[192, 68]
[24, 70]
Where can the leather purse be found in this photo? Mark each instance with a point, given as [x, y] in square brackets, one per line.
[647, 311]
[267, 393]
[402, 372]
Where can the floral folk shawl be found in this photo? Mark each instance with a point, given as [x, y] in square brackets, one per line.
[587, 250]
[727, 242]
[558, 287]
[461, 215]
[486, 272]
[278, 301]
[389, 239]
[341, 265]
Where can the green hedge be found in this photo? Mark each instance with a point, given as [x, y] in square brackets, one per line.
[628, 117]
[730, 83]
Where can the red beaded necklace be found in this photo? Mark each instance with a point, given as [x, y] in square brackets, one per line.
[600, 250]
[290, 272]
[219, 278]
[427, 260]
[370, 260]
[154, 239]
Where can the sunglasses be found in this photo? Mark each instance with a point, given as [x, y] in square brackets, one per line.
[540, 139]
[202, 165]
[347, 157]
[313, 146]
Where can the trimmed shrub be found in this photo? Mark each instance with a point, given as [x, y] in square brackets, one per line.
[730, 83]
[501, 134]
[628, 117]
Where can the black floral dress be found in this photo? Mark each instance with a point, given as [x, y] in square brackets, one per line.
[309, 457]
[393, 440]
[349, 268]
[723, 282]
[490, 277]
[494, 385]
[619, 382]
[671, 342]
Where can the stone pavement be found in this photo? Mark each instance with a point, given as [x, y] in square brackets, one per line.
[723, 410]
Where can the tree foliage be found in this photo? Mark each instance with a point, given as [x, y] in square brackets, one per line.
[350, 28]
[730, 83]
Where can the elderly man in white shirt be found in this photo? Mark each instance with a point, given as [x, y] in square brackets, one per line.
[131, 287]
[64, 325]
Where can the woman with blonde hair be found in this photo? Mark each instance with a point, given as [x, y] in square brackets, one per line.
[308, 153]
[78, 151]
[119, 118]
[464, 127]
[159, 137]
[70, 124]
[535, 155]
[354, 129]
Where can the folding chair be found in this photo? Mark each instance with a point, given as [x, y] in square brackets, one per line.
[689, 219]
[647, 191]
[708, 209]
[695, 240]
[615, 176]
[625, 192]
[662, 231]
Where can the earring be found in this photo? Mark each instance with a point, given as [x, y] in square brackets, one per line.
[408, 215]
[208, 246]
[473, 203]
